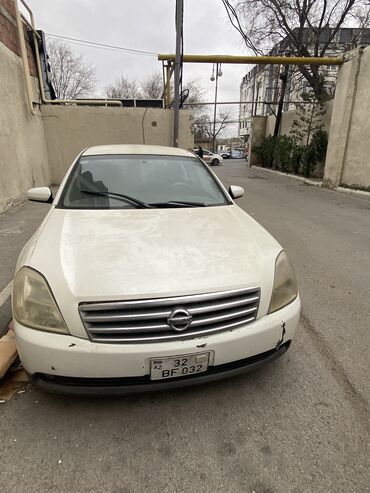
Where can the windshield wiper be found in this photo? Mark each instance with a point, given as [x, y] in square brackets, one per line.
[179, 203]
[127, 198]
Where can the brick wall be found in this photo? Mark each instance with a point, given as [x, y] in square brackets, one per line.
[9, 33]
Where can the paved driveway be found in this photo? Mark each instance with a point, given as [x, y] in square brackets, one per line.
[298, 425]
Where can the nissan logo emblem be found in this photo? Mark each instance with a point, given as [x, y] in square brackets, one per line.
[179, 319]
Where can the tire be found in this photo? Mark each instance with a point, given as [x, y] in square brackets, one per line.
[215, 162]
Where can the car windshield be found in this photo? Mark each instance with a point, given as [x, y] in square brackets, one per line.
[140, 181]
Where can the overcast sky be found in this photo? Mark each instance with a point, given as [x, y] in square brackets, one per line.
[147, 25]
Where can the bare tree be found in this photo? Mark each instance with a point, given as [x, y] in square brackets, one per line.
[205, 127]
[123, 88]
[71, 75]
[192, 91]
[361, 14]
[196, 92]
[152, 87]
[299, 27]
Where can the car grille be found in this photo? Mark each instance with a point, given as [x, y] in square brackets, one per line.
[143, 321]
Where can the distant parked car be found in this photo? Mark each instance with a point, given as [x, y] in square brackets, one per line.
[212, 158]
[236, 155]
[225, 154]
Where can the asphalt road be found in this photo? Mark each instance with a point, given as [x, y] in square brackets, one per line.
[16, 226]
[300, 424]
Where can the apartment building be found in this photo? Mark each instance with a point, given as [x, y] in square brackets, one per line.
[260, 87]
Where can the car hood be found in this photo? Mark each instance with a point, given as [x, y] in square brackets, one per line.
[139, 253]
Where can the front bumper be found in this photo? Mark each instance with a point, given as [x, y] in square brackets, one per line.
[56, 361]
[135, 385]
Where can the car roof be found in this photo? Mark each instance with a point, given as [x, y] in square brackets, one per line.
[136, 149]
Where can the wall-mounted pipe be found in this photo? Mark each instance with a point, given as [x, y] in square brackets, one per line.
[100, 102]
[28, 24]
[26, 70]
[32, 23]
[253, 101]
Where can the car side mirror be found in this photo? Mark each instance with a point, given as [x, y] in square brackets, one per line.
[40, 194]
[236, 192]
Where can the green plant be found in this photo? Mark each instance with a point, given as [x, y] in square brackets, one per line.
[314, 152]
[265, 152]
[278, 151]
[308, 134]
[297, 156]
[320, 145]
[288, 154]
[283, 152]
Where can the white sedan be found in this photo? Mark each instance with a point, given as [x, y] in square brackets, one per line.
[212, 158]
[146, 275]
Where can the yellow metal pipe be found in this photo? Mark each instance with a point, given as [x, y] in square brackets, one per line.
[255, 60]
[167, 86]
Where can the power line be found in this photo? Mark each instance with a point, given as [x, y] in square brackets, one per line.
[94, 44]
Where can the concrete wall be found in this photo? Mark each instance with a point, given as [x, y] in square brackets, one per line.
[258, 133]
[69, 129]
[289, 116]
[37, 149]
[348, 156]
[23, 152]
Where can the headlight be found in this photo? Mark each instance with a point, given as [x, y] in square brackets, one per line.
[33, 303]
[285, 284]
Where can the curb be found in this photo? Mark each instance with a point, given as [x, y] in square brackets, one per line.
[352, 191]
[8, 352]
[308, 181]
[5, 309]
[5, 316]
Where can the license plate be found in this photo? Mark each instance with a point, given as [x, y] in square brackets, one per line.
[178, 366]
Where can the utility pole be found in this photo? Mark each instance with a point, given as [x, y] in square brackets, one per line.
[215, 113]
[218, 74]
[178, 63]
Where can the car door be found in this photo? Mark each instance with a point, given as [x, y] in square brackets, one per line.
[207, 156]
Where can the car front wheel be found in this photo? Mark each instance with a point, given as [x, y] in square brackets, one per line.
[215, 162]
